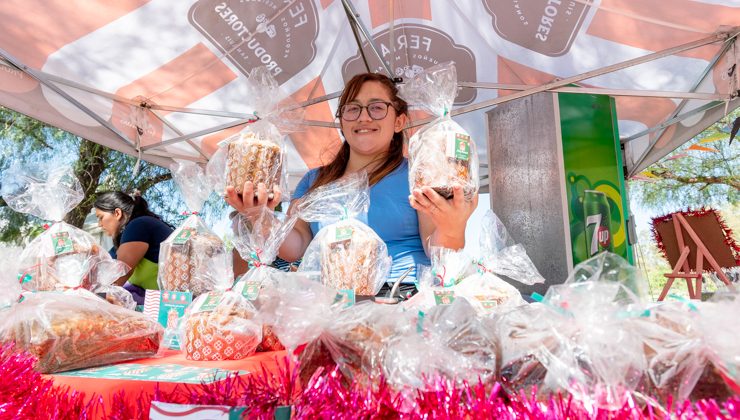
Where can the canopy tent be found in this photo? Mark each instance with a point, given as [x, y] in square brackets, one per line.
[165, 79]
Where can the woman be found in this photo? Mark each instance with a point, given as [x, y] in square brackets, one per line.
[372, 118]
[137, 234]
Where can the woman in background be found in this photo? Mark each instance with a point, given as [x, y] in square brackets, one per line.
[137, 234]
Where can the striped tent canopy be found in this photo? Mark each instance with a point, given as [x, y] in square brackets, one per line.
[165, 80]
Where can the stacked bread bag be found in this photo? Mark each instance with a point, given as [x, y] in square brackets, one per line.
[259, 233]
[441, 154]
[347, 252]
[257, 154]
[59, 320]
[193, 258]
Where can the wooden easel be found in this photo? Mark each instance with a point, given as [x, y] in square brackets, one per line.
[683, 251]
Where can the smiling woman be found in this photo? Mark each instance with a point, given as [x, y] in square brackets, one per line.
[372, 119]
[137, 234]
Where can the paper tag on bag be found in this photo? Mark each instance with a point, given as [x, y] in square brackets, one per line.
[62, 243]
[208, 304]
[183, 236]
[444, 297]
[458, 147]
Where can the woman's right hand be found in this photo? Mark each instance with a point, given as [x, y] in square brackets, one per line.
[252, 197]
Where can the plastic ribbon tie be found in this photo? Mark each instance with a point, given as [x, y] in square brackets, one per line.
[231, 139]
[254, 259]
[46, 226]
[189, 213]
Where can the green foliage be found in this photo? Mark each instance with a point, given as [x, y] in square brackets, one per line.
[700, 178]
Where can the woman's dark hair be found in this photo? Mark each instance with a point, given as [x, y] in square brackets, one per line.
[391, 160]
[131, 207]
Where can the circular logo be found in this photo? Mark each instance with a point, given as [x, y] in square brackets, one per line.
[603, 236]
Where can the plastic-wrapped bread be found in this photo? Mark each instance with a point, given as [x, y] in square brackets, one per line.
[220, 326]
[253, 159]
[67, 331]
[441, 154]
[347, 252]
[193, 259]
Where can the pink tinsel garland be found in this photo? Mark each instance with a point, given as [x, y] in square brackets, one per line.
[25, 394]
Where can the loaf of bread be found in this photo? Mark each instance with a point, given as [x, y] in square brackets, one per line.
[187, 263]
[220, 326]
[250, 158]
[441, 156]
[352, 257]
[74, 331]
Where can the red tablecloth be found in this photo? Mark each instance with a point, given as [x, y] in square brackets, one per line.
[108, 387]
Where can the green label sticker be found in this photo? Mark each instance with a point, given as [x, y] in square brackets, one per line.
[24, 277]
[62, 243]
[444, 297]
[183, 236]
[209, 303]
[251, 290]
[458, 147]
[172, 307]
[343, 233]
[346, 297]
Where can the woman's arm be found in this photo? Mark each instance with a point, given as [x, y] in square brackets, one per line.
[442, 222]
[297, 241]
[131, 254]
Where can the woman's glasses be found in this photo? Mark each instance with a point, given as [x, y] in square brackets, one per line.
[376, 110]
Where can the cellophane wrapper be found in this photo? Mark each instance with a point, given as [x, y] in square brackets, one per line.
[347, 252]
[441, 154]
[67, 331]
[193, 259]
[220, 325]
[258, 153]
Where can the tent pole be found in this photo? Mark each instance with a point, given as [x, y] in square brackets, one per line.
[197, 134]
[44, 81]
[354, 16]
[353, 26]
[583, 76]
[179, 133]
[673, 120]
[729, 42]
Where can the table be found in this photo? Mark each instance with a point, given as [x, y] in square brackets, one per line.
[172, 368]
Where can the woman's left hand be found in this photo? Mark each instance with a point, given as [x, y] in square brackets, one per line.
[449, 216]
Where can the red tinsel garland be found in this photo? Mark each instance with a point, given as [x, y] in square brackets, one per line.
[703, 212]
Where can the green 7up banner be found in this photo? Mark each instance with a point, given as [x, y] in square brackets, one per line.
[594, 179]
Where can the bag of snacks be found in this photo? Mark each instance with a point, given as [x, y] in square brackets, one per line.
[441, 154]
[257, 154]
[64, 256]
[439, 283]
[67, 331]
[193, 258]
[347, 252]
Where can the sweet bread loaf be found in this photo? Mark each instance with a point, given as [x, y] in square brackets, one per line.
[350, 253]
[186, 264]
[221, 327]
[67, 332]
[250, 158]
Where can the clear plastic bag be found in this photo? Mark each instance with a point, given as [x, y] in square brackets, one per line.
[69, 331]
[220, 325]
[259, 234]
[257, 154]
[718, 323]
[442, 153]
[10, 288]
[193, 259]
[63, 256]
[598, 361]
[438, 284]
[500, 256]
[610, 267]
[354, 341]
[347, 252]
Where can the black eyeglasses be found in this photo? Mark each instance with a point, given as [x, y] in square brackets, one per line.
[376, 110]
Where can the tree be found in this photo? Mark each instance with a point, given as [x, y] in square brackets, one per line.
[703, 172]
[97, 167]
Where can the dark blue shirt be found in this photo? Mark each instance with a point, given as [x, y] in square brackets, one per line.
[146, 229]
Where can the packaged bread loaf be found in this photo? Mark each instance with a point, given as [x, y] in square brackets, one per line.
[193, 259]
[347, 252]
[67, 331]
[62, 256]
[220, 325]
[441, 154]
[257, 154]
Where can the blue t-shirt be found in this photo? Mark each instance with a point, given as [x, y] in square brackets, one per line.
[146, 229]
[391, 217]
